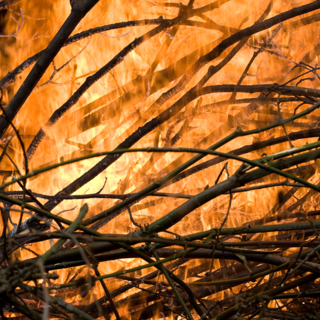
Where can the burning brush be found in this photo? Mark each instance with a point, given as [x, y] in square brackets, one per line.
[159, 159]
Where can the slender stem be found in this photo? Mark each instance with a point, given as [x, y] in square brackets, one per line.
[265, 295]
[73, 227]
[240, 280]
[44, 61]
[113, 306]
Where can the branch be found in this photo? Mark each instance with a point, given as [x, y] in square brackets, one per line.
[44, 61]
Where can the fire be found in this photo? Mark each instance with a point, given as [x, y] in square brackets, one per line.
[113, 108]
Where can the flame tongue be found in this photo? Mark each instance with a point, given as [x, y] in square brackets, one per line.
[130, 107]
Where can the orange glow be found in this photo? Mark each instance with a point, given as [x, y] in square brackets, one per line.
[107, 114]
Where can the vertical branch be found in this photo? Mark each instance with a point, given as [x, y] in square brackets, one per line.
[77, 13]
[113, 306]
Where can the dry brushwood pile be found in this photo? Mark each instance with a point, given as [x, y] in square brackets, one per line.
[160, 159]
